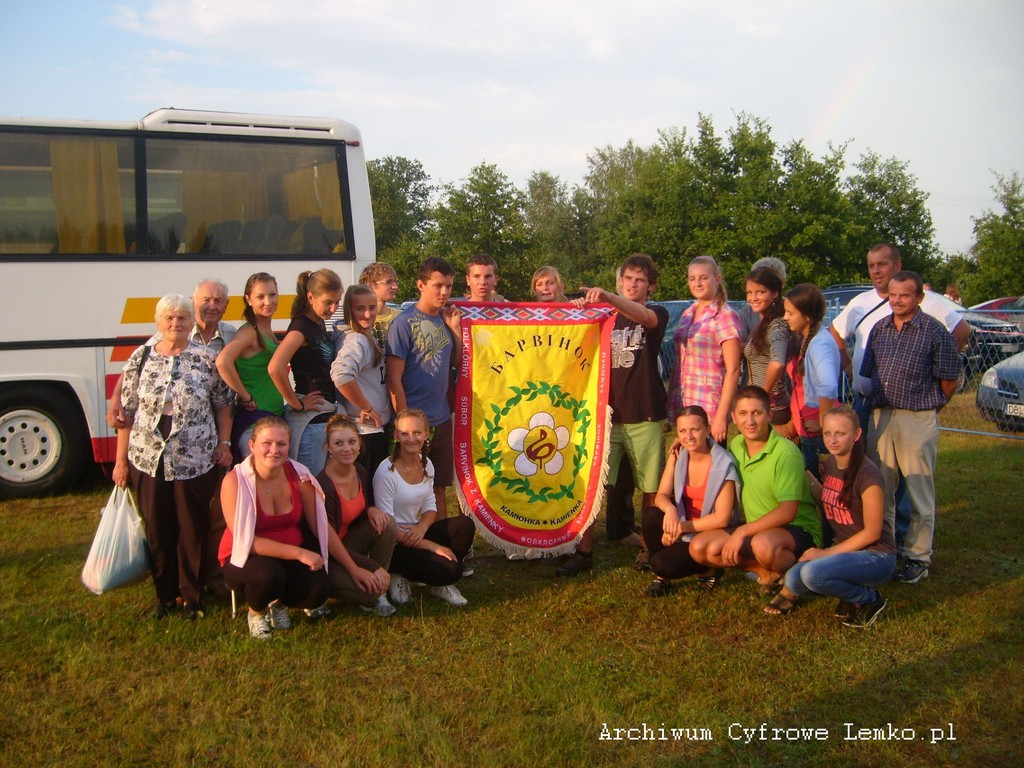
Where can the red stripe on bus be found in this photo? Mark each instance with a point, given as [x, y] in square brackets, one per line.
[122, 353]
[104, 449]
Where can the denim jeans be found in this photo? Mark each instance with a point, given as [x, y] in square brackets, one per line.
[850, 576]
[862, 406]
[812, 448]
[313, 447]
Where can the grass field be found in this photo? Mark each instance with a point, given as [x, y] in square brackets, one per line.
[535, 670]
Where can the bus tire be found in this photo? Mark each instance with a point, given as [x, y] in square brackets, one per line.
[43, 441]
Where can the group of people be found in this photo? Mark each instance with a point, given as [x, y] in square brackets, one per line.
[804, 498]
[285, 441]
[328, 452]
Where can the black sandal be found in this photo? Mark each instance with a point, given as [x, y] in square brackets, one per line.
[708, 582]
[781, 605]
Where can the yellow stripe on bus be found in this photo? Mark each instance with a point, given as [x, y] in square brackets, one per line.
[143, 309]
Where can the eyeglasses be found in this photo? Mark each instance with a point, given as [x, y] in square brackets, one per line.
[392, 281]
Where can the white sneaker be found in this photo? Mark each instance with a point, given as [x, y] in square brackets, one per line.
[400, 592]
[279, 618]
[466, 572]
[259, 626]
[450, 595]
[381, 608]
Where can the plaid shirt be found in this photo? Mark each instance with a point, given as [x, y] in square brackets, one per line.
[907, 366]
[700, 369]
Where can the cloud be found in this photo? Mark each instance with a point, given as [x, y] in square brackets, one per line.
[537, 85]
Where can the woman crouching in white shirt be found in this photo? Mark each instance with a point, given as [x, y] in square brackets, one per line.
[427, 550]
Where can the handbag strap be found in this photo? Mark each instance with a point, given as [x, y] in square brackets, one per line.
[870, 312]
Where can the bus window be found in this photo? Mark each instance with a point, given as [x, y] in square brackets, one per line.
[207, 196]
[66, 194]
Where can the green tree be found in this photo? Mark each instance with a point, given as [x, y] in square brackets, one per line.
[558, 220]
[887, 206]
[959, 268]
[999, 244]
[484, 213]
[400, 193]
[737, 198]
[742, 225]
[812, 215]
[639, 203]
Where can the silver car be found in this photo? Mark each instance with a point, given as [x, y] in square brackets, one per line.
[1000, 397]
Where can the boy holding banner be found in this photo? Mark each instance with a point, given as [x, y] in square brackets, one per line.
[637, 396]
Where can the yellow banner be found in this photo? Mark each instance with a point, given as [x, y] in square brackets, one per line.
[532, 421]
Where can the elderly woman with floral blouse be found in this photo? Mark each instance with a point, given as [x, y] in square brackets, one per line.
[178, 423]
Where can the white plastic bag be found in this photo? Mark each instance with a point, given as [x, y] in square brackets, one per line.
[119, 555]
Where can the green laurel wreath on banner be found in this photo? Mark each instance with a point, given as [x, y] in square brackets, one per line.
[492, 446]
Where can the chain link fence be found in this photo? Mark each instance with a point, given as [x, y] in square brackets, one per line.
[990, 398]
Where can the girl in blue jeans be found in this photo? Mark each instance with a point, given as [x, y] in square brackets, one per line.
[863, 553]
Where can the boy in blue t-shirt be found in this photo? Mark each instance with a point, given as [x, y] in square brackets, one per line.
[422, 349]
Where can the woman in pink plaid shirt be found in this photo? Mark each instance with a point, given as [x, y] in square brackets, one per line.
[708, 349]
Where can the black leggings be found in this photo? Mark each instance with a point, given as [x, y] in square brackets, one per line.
[265, 579]
[670, 562]
[454, 532]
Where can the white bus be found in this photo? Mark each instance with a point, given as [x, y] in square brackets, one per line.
[99, 220]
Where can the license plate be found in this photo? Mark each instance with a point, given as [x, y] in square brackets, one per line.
[1015, 409]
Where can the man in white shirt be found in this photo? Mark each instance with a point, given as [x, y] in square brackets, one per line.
[857, 319]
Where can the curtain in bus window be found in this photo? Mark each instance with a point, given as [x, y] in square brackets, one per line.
[87, 195]
[314, 192]
[215, 198]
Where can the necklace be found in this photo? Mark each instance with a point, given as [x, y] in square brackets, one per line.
[260, 479]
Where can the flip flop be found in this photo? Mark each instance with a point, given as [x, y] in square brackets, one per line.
[780, 605]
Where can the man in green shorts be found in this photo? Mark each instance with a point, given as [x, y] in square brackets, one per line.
[636, 394]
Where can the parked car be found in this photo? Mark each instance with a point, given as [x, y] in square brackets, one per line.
[1014, 312]
[839, 295]
[1000, 397]
[993, 340]
[990, 306]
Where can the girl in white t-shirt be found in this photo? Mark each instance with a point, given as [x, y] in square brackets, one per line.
[427, 550]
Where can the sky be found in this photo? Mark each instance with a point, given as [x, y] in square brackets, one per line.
[533, 85]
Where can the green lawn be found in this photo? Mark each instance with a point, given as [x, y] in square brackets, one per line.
[535, 670]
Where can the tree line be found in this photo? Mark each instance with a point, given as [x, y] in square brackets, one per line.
[738, 197]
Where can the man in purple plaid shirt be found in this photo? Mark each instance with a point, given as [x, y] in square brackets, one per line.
[913, 364]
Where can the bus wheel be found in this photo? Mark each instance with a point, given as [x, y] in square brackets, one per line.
[42, 441]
